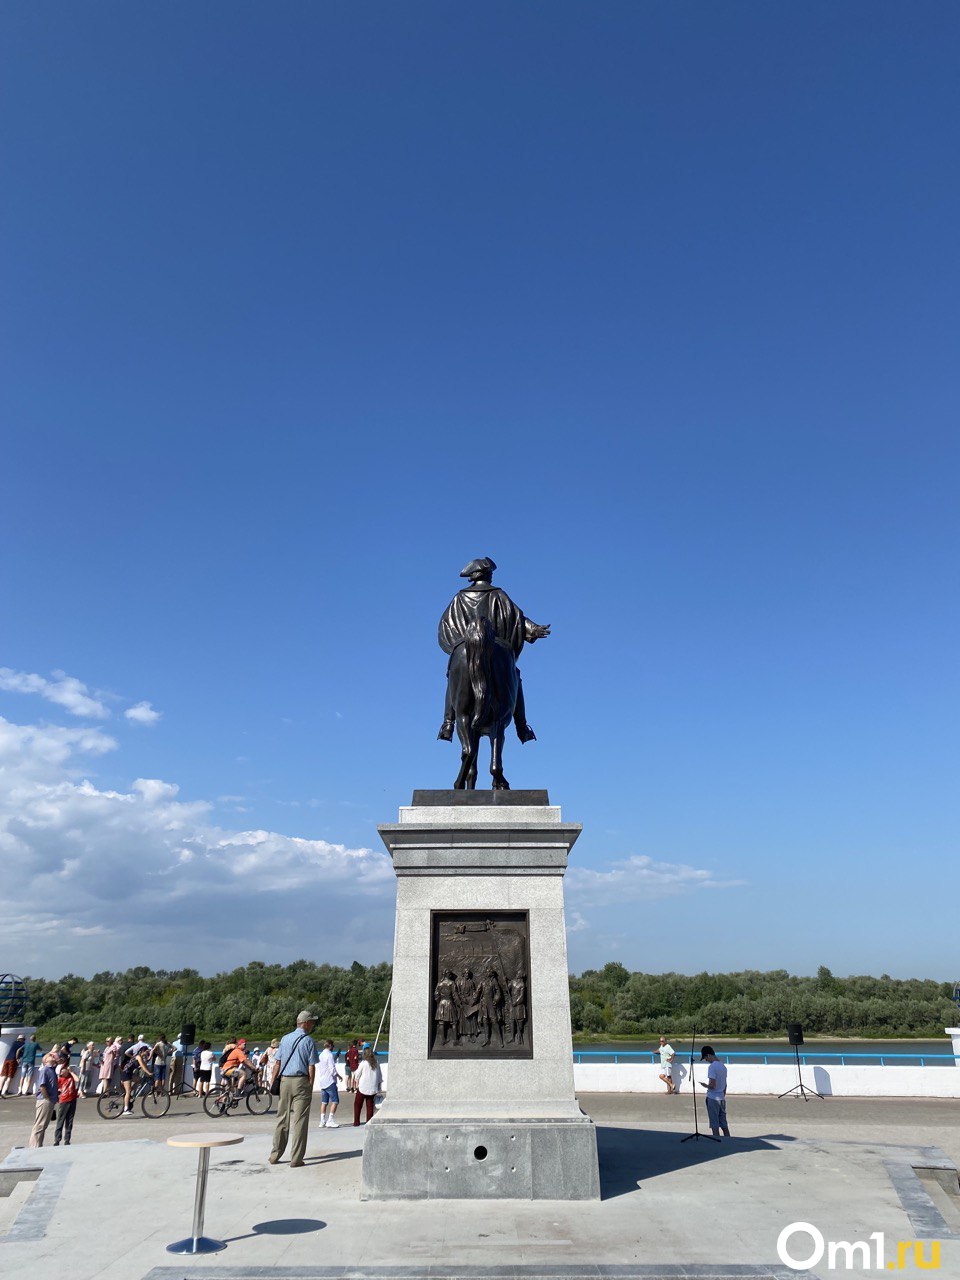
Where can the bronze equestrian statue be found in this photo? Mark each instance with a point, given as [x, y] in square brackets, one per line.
[483, 631]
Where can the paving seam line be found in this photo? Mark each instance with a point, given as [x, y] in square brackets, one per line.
[668, 1271]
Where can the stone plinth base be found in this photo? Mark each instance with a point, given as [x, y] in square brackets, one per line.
[481, 874]
[500, 1159]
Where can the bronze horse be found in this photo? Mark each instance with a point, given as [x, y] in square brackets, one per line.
[482, 693]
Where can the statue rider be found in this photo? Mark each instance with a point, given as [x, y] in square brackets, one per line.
[510, 627]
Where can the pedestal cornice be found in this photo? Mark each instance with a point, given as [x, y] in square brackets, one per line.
[516, 838]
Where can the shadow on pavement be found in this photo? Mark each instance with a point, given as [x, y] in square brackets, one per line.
[334, 1155]
[631, 1157]
[280, 1227]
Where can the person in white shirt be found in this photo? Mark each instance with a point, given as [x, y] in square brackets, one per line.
[205, 1074]
[716, 1091]
[369, 1082]
[667, 1056]
[327, 1077]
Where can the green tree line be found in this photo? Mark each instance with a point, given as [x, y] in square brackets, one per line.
[263, 1000]
[615, 1002]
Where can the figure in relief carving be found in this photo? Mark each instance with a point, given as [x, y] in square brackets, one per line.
[491, 1005]
[518, 1007]
[469, 993]
[479, 1002]
[446, 1016]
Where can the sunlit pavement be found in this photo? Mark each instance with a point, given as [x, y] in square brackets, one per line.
[113, 1200]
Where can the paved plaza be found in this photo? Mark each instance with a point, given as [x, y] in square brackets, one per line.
[113, 1201]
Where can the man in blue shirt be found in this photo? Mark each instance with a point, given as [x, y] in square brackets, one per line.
[47, 1097]
[296, 1064]
[27, 1064]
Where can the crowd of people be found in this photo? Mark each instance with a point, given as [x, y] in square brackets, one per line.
[299, 1066]
[290, 1067]
[57, 1082]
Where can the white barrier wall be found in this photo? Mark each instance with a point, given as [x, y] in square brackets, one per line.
[837, 1082]
[832, 1081]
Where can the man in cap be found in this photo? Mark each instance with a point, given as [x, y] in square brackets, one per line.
[511, 628]
[295, 1064]
[236, 1068]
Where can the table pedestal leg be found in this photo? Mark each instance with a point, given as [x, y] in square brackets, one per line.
[198, 1242]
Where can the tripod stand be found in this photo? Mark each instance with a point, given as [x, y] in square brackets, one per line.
[693, 1089]
[800, 1089]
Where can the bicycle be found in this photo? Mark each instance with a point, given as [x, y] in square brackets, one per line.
[224, 1098]
[154, 1100]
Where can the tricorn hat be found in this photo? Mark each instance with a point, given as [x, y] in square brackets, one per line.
[483, 565]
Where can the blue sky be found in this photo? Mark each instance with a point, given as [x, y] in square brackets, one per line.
[308, 304]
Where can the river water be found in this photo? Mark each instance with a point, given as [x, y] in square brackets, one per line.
[905, 1052]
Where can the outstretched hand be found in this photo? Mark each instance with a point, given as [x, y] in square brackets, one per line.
[537, 632]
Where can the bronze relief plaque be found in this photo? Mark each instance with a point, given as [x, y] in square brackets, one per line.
[480, 985]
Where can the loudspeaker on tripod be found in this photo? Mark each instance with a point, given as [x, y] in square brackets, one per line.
[189, 1030]
[795, 1033]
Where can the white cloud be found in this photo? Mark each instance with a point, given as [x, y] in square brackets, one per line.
[66, 691]
[638, 879]
[576, 922]
[100, 878]
[142, 713]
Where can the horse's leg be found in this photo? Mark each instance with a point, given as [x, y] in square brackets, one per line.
[496, 759]
[469, 746]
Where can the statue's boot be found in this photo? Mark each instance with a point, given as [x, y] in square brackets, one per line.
[524, 732]
[446, 731]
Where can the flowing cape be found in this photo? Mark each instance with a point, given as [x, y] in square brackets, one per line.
[506, 619]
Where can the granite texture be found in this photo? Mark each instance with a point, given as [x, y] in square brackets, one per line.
[512, 1160]
[509, 856]
[487, 816]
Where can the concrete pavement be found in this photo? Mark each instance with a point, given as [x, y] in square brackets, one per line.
[114, 1199]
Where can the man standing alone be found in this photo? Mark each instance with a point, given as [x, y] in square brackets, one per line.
[296, 1064]
[716, 1091]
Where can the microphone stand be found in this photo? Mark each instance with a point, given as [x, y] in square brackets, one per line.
[693, 1088]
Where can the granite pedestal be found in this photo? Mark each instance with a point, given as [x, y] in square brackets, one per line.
[481, 872]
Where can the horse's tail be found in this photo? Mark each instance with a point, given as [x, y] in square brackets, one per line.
[479, 644]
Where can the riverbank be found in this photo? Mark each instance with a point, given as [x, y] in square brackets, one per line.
[749, 1048]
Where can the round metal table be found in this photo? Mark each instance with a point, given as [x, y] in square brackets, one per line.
[198, 1242]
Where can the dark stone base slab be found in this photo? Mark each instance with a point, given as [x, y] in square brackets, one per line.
[477, 1160]
[472, 799]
